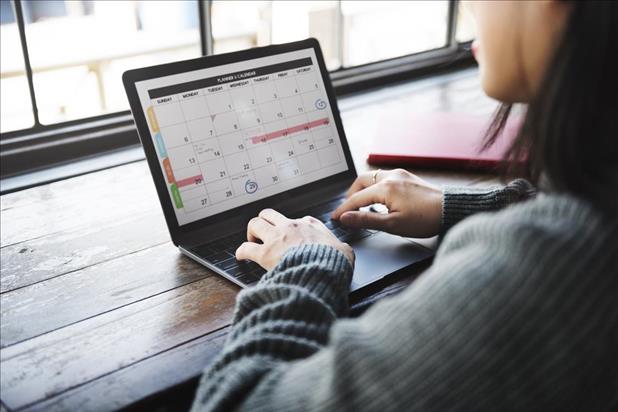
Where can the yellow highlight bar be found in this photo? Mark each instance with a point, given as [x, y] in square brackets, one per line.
[152, 119]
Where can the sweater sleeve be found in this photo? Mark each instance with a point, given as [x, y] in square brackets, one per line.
[508, 330]
[286, 316]
[461, 202]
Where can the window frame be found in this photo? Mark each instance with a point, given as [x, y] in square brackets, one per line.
[43, 146]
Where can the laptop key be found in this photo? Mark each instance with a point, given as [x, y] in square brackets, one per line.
[247, 278]
[203, 250]
[235, 271]
[258, 272]
[219, 257]
[227, 264]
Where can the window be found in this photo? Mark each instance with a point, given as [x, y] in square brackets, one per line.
[351, 33]
[62, 61]
[15, 106]
[421, 25]
[82, 78]
[465, 25]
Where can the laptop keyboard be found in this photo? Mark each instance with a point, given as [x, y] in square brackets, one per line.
[221, 252]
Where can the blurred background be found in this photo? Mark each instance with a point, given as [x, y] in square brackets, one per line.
[79, 49]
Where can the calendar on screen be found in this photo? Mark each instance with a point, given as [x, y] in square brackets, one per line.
[232, 134]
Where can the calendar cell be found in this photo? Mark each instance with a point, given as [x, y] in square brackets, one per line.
[188, 179]
[266, 176]
[192, 205]
[214, 170]
[238, 163]
[292, 106]
[307, 82]
[303, 143]
[218, 185]
[282, 149]
[249, 118]
[260, 155]
[194, 192]
[222, 195]
[309, 162]
[182, 157]
[288, 169]
[328, 155]
[194, 107]
[244, 184]
[200, 129]
[232, 143]
[243, 97]
[207, 150]
[265, 91]
[175, 135]
[168, 114]
[286, 86]
[313, 101]
[219, 102]
[271, 111]
[226, 123]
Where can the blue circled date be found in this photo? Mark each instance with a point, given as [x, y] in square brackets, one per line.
[251, 186]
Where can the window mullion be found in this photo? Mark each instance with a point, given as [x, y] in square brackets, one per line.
[205, 13]
[21, 26]
[340, 34]
[451, 31]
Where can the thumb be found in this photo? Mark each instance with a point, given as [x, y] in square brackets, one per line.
[367, 220]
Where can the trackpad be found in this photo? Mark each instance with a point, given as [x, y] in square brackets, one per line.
[382, 254]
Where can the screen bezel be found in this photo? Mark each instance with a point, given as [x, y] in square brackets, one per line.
[131, 77]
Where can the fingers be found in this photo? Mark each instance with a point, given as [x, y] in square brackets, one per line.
[273, 217]
[250, 251]
[362, 181]
[372, 194]
[367, 220]
[258, 229]
[365, 180]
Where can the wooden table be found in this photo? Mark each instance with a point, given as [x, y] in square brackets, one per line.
[99, 310]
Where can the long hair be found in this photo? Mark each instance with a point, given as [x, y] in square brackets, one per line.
[570, 131]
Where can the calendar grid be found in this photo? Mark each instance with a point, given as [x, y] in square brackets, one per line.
[228, 141]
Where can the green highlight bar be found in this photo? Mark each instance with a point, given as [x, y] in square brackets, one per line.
[176, 196]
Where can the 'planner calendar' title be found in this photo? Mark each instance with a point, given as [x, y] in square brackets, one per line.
[235, 76]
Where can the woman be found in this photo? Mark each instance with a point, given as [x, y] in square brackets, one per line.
[519, 310]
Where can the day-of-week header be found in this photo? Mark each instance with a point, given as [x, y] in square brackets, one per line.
[228, 78]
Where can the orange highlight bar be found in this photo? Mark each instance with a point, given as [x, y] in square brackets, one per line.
[168, 170]
[152, 119]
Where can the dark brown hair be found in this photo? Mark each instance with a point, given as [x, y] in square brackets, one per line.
[570, 130]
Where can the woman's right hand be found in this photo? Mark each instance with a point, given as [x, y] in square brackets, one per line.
[414, 206]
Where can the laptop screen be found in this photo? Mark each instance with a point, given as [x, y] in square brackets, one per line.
[228, 135]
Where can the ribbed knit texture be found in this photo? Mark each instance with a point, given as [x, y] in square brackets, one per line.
[518, 312]
[461, 202]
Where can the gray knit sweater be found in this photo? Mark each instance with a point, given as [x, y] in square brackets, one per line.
[518, 312]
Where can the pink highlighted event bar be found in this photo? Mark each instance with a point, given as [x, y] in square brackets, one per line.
[284, 132]
[190, 181]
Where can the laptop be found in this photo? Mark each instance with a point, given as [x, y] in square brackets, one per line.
[226, 136]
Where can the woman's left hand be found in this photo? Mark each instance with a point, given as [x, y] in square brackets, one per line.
[277, 234]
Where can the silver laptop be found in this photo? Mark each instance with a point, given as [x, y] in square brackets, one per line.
[226, 136]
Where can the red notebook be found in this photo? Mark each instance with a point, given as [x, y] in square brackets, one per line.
[438, 139]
